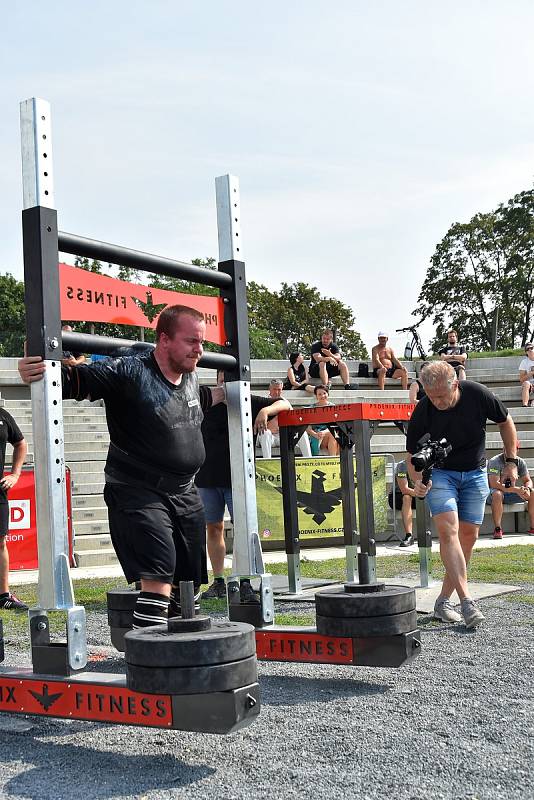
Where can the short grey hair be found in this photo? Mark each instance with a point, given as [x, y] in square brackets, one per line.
[276, 382]
[437, 373]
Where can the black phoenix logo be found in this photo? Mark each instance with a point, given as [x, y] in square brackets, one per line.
[149, 309]
[318, 503]
[46, 699]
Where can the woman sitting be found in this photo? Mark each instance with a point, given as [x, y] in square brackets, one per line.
[320, 436]
[297, 374]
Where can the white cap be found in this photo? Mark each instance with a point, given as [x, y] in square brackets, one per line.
[381, 333]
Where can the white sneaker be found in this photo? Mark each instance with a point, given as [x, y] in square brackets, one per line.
[472, 615]
[444, 610]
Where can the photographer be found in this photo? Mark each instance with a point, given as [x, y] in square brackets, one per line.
[504, 492]
[456, 495]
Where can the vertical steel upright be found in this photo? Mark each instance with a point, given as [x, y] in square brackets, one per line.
[247, 555]
[43, 334]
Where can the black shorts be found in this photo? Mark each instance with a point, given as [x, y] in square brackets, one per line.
[331, 369]
[389, 372]
[4, 518]
[157, 536]
[398, 500]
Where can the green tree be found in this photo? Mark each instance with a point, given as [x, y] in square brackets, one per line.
[484, 269]
[12, 316]
[297, 313]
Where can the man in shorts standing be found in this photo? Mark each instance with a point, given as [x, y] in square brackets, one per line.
[214, 481]
[154, 410]
[526, 375]
[386, 364]
[9, 432]
[456, 494]
[326, 361]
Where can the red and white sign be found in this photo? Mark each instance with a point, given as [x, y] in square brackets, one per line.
[21, 539]
[89, 297]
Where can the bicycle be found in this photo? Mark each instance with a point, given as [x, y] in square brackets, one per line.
[414, 344]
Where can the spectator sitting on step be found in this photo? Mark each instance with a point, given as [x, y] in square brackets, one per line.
[386, 364]
[526, 375]
[326, 361]
[297, 374]
[270, 435]
[502, 494]
[455, 354]
[71, 359]
[404, 500]
[417, 391]
[320, 436]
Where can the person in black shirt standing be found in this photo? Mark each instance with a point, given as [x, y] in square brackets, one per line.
[456, 495]
[154, 410]
[214, 480]
[9, 432]
[454, 354]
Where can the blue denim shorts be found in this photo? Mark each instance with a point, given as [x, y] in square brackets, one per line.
[508, 498]
[462, 492]
[215, 499]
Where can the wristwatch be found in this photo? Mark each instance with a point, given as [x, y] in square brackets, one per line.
[512, 461]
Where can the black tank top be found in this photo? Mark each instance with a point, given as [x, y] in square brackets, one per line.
[299, 375]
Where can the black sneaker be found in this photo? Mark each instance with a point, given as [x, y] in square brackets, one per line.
[247, 594]
[408, 541]
[10, 601]
[350, 387]
[217, 591]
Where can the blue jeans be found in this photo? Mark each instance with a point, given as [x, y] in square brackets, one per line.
[462, 492]
[215, 499]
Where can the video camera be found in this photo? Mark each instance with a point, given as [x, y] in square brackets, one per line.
[430, 454]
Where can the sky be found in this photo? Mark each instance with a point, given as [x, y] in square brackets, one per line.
[360, 131]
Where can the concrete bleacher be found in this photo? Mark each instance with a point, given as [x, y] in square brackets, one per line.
[86, 436]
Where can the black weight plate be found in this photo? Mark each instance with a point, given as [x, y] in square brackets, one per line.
[120, 619]
[392, 600]
[359, 588]
[200, 622]
[192, 680]
[157, 647]
[122, 599]
[367, 626]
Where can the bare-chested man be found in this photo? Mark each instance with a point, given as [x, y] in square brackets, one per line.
[386, 364]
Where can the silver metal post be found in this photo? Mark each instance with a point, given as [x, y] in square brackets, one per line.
[247, 557]
[55, 585]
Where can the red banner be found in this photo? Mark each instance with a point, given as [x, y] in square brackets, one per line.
[89, 297]
[21, 539]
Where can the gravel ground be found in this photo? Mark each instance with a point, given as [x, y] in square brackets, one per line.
[455, 723]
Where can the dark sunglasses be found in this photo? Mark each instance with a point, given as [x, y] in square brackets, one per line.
[528, 348]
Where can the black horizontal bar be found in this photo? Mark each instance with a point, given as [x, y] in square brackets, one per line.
[136, 259]
[106, 345]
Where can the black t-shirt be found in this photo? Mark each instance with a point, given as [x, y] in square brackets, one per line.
[317, 347]
[453, 350]
[9, 432]
[216, 471]
[464, 426]
[154, 423]
[299, 375]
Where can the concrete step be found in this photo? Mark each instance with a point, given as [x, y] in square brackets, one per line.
[96, 558]
[82, 440]
[70, 429]
[89, 514]
[93, 543]
[77, 467]
[88, 501]
[88, 488]
[80, 451]
[86, 528]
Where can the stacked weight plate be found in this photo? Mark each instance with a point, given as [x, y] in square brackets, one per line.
[121, 604]
[366, 610]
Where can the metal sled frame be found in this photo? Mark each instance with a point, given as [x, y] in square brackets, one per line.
[58, 685]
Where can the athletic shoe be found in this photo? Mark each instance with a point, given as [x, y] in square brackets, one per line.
[247, 594]
[408, 541]
[352, 386]
[530, 531]
[444, 610]
[217, 591]
[10, 601]
[472, 615]
[497, 533]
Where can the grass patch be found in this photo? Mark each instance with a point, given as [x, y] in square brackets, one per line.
[513, 564]
[516, 597]
[288, 618]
